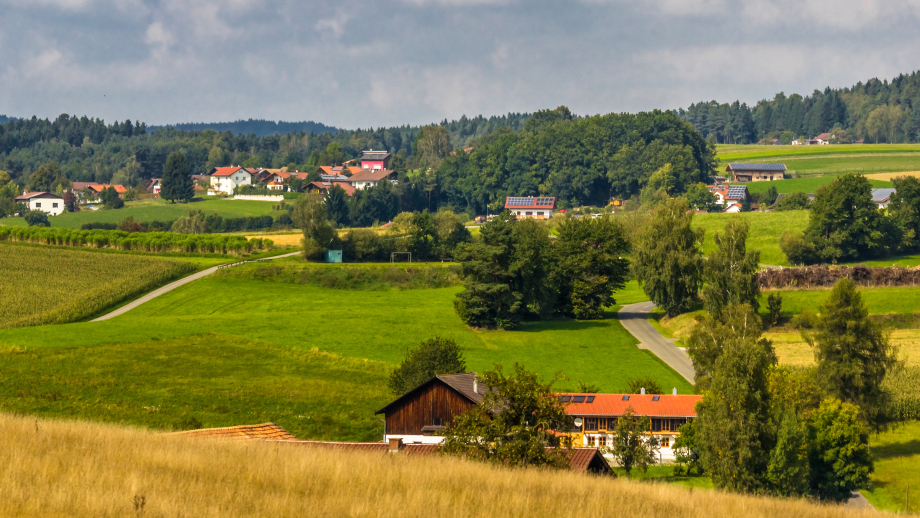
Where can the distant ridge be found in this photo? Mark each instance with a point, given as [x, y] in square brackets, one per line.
[259, 127]
[4, 118]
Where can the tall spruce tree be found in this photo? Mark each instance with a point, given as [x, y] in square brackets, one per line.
[730, 271]
[177, 184]
[853, 353]
[668, 262]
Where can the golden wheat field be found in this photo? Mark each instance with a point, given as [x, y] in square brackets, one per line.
[74, 469]
[43, 285]
[887, 177]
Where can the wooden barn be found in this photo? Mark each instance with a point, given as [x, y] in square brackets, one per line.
[422, 413]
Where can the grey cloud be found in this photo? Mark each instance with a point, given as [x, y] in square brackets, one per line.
[351, 63]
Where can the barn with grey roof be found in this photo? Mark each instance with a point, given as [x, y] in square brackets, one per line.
[757, 172]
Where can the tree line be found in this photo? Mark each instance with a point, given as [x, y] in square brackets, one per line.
[877, 110]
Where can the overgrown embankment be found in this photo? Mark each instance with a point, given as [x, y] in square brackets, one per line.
[825, 276]
[349, 277]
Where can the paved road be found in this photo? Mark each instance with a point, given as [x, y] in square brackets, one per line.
[634, 318]
[171, 286]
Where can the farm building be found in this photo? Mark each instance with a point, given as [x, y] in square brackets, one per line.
[429, 409]
[882, 197]
[596, 416]
[47, 202]
[756, 172]
[227, 179]
[531, 207]
[264, 432]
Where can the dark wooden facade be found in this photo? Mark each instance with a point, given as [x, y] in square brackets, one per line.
[431, 405]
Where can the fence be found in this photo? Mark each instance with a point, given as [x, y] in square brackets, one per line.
[258, 197]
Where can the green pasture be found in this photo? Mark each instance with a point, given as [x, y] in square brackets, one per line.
[897, 465]
[806, 185]
[765, 230]
[367, 331]
[156, 209]
[833, 159]
[880, 301]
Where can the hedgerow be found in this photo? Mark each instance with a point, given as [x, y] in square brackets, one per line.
[140, 241]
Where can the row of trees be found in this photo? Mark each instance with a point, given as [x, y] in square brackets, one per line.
[880, 111]
[846, 225]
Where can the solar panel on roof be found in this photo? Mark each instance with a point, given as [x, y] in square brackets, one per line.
[578, 399]
[758, 167]
[590, 399]
[565, 399]
[656, 398]
[625, 398]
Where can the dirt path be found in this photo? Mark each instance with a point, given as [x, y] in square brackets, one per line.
[173, 285]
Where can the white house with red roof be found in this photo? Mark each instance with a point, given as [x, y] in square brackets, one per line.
[531, 207]
[227, 179]
[596, 416]
[47, 202]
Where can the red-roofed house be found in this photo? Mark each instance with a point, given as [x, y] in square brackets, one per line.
[823, 139]
[323, 187]
[227, 179]
[371, 177]
[531, 207]
[99, 187]
[596, 416]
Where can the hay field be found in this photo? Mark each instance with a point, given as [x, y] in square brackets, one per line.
[791, 348]
[44, 285]
[54, 468]
[887, 177]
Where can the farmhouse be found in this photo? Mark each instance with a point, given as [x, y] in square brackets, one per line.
[227, 179]
[153, 185]
[726, 195]
[371, 177]
[43, 201]
[531, 207]
[97, 188]
[596, 416]
[822, 139]
[756, 172]
[427, 410]
[882, 197]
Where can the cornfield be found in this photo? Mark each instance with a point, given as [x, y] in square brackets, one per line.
[825, 276]
[141, 241]
[904, 386]
[54, 286]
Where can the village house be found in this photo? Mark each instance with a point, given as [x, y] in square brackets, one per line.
[322, 187]
[47, 202]
[882, 197]
[375, 160]
[227, 179]
[371, 177]
[153, 185]
[531, 207]
[730, 196]
[756, 172]
[596, 416]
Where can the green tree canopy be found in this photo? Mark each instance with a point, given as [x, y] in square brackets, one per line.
[337, 206]
[177, 183]
[730, 271]
[633, 444]
[853, 353]
[318, 231]
[667, 261]
[432, 357]
[838, 453]
[905, 209]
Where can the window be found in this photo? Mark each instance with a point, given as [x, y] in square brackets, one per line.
[591, 424]
[625, 398]
[529, 213]
[578, 399]
[656, 425]
[54, 205]
[38, 204]
[665, 442]
[656, 398]
[601, 441]
[437, 421]
[539, 213]
[602, 423]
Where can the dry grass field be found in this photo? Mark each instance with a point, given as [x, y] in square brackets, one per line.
[791, 349]
[56, 468]
[887, 177]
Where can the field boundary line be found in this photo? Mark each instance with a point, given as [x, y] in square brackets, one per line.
[179, 283]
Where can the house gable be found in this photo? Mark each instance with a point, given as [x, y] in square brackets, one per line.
[432, 406]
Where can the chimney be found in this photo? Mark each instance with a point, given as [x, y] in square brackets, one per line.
[674, 392]
[395, 445]
[642, 391]
[475, 385]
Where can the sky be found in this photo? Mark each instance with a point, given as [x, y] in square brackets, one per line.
[351, 64]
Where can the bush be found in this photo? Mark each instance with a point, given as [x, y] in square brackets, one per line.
[37, 218]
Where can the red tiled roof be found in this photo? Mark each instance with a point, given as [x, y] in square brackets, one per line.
[264, 431]
[228, 171]
[337, 169]
[823, 136]
[324, 186]
[98, 187]
[642, 404]
[368, 175]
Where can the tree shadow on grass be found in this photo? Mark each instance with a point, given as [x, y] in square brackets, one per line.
[901, 449]
[561, 325]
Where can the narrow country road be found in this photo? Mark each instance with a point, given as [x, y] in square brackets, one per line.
[634, 318]
[173, 285]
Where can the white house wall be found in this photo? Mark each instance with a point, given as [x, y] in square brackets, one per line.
[51, 206]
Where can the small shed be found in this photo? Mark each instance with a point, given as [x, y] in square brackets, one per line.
[333, 256]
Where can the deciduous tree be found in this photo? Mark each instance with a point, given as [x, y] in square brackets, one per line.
[730, 271]
[633, 444]
[432, 357]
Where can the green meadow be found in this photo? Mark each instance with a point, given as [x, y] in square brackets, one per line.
[807, 185]
[833, 159]
[765, 229]
[227, 350]
[157, 210]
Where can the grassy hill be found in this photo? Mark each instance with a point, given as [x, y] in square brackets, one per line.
[765, 230]
[834, 159]
[175, 476]
[808, 185]
[156, 209]
[226, 350]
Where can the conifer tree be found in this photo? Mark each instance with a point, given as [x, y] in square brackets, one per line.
[177, 184]
[730, 271]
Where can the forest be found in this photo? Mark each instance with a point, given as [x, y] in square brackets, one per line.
[877, 111]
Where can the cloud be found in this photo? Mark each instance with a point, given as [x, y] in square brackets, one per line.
[361, 64]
